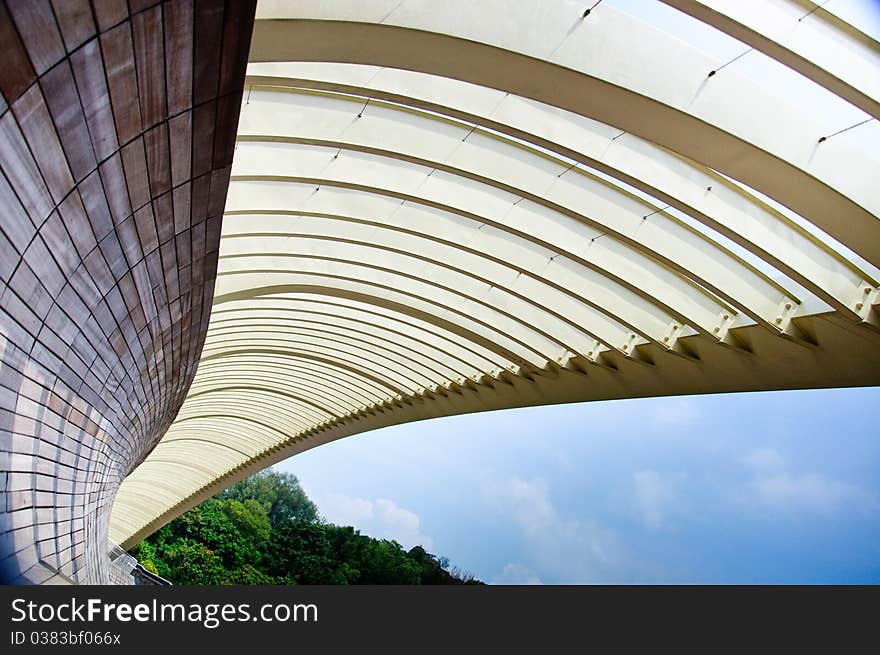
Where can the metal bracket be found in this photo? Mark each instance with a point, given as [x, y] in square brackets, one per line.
[863, 302]
[785, 311]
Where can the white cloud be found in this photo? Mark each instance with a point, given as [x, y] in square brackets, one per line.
[574, 551]
[773, 484]
[655, 497]
[808, 491]
[518, 574]
[677, 411]
[380, 518]
[530, 504]
[764, 459]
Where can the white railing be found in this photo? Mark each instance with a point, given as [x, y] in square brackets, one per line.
[121, 565]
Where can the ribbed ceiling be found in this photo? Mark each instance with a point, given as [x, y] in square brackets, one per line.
[438, 208]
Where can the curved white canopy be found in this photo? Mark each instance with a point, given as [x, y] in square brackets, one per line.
[438, 208]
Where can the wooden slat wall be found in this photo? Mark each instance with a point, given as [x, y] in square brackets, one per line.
[117, 128]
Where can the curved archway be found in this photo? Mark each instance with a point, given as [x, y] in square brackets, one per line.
[433, 211]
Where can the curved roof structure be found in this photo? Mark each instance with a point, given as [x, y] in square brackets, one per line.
[438, 208]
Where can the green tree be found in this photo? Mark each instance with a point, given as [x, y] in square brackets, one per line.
[250, 519]
[191, 563]
[279, 493]
[265, 530]
[211, 524]
[249, 575]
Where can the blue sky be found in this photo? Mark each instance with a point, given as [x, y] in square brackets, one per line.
[774, 487]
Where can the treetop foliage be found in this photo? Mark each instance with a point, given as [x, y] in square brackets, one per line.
[278, 493]
[265, 530]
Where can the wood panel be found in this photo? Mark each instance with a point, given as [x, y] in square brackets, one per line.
[114, 165]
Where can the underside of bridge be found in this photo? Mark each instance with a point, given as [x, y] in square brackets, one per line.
[433, 208]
